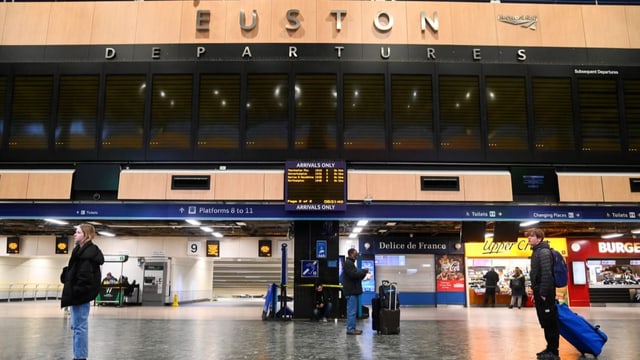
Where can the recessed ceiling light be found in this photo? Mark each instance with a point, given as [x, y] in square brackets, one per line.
[206, 228]
[56, 221]
[106, 233]
[635, 231]
[528, 223]
[217, 234]
[193, 222]
[357, 230]
[611, 236]
[362, 222]
[353, 235]
[391, 223]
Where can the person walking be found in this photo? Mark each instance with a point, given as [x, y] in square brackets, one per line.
[517, 288]
[491, 279]
[544, 293]
[352, 288]
[81, 279]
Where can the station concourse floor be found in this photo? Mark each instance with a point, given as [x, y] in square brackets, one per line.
[233, 329]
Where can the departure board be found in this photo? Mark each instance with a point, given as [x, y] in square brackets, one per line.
[315, 186]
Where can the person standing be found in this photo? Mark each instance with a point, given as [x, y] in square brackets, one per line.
[352, 288]
[81, 279]
[544, 293]
[517, 288]
[491, 279]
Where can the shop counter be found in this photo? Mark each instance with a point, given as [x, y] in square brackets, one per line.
[476, 297]
[117, 294]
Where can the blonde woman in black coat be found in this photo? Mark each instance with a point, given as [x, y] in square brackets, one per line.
[81, 279]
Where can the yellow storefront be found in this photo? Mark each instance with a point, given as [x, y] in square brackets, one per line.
[504, 257]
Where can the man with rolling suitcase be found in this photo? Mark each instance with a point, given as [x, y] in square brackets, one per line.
[544, 293]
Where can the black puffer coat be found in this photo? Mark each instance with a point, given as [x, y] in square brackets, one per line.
[82, 277]
[541, 272]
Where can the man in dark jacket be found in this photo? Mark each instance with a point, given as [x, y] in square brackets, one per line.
[323, 306]
[81, 279]
[352, 288]
[491, 279]
[544, 293]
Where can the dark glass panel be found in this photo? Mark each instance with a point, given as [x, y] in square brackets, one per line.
[267, 111]
[553, 114]
[31, 109]
[632, 110]
[219, 112]
[77, 112]
[459, 113]
[3, 96]
[171, 112]
[506, 113]
[124, 112]
[364, 112]
[316, 104]
[599, 117]
[412, 112]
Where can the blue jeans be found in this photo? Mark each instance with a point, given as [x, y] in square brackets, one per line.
[352, 310]
[80, 328]
[324, 312]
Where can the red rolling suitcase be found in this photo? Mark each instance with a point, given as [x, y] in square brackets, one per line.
[584, 336]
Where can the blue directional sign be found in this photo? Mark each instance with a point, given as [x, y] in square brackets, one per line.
[321, 249]
[426, 212]
[309, 269]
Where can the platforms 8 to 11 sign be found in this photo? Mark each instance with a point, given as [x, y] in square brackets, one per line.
[315, 186]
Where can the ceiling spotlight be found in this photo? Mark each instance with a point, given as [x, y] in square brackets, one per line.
[193, 222]
[56, 221]
[611, 236]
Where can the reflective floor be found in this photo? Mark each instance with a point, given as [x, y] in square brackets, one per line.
[232, 329]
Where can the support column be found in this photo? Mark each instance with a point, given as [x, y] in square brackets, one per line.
[306, 235]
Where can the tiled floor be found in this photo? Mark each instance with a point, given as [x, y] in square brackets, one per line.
[232, 329]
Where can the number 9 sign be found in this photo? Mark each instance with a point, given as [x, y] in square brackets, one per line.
[194, 248]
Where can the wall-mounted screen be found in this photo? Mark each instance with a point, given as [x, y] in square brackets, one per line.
[369, 284]
[315, 186]
[579, 273]
[534, 184]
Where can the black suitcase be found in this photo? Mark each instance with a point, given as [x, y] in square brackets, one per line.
[389, 321]
[389, 314]
[375, 314]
